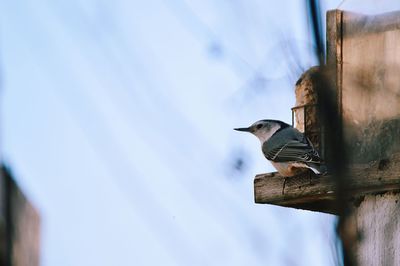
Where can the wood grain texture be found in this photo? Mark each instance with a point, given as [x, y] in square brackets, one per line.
[378, 223]
[314, 193]
[334, 37]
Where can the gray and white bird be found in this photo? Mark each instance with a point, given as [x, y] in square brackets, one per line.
[289, 150]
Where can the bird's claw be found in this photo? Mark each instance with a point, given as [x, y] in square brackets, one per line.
[284, 184]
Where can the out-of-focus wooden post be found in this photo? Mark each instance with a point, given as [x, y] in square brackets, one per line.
[19, 225]
[368, 57]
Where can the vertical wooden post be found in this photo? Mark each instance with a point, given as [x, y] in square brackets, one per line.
[365, 52]
[19, 225]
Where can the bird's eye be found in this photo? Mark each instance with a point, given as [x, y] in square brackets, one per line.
[259, 126]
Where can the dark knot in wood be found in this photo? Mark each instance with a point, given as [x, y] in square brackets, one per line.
[383, 164]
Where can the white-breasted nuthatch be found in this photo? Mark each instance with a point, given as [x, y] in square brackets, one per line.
[289, 150]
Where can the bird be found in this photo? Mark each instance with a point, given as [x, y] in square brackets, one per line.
[289, 150]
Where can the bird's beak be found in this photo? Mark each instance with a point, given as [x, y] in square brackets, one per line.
[245, 129]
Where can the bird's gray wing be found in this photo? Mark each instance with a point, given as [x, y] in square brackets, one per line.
[293, 146]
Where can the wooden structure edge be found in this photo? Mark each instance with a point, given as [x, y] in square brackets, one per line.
[317, 193]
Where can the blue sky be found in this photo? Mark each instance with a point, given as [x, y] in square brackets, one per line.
[117, 122]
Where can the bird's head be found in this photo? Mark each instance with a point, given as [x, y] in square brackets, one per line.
[264, 129]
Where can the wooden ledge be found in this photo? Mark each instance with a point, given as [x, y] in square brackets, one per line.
[317, 193]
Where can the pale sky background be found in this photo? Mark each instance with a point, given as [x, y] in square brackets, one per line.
[117, 122]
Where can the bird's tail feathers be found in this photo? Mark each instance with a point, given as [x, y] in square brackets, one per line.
[318, 169]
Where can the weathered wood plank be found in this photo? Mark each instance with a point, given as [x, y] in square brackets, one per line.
[377, 221]
[318, 193]
[334, 37]
[370, 85]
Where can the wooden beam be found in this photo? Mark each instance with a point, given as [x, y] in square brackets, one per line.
[317, 193]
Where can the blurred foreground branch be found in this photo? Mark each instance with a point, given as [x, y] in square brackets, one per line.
[331, 121]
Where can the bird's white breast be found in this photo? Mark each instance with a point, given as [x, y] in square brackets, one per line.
[289, 168]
